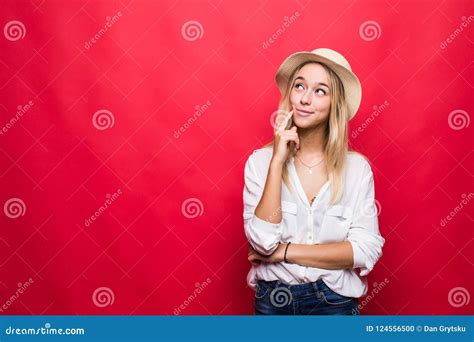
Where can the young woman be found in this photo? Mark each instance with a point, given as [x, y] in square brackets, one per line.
[309, 209]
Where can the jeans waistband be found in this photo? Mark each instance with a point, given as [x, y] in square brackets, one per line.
[296, 289]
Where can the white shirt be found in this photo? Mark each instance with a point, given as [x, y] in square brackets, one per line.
[353, 218]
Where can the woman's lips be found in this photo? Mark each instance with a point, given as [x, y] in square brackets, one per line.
[303, 112]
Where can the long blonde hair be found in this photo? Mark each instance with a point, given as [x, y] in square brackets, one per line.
[336, 132]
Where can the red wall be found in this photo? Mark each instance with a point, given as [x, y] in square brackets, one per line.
[150, 249]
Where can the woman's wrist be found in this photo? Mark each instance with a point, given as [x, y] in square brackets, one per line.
[280, 252]
[276, 163]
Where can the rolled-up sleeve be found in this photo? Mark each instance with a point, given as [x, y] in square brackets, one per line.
[364, 234]
[264, 236]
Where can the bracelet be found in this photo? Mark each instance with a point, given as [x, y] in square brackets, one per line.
[286, 249]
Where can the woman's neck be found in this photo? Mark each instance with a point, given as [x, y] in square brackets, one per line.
[311, 142]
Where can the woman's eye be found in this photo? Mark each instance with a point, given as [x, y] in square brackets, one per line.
[320, 91]
[298, 85]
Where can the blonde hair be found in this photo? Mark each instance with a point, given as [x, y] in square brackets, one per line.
[336, 132]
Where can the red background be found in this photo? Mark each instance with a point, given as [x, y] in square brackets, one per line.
[150, 78]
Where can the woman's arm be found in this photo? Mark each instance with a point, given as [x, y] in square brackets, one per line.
[262, 203]
[262, 226]
[269, 207]
[338, 255]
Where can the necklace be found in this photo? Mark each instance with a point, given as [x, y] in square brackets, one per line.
[310, 167]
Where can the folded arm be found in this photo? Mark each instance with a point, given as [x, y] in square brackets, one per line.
[361, 249]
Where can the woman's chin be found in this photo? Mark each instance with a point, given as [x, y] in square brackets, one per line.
[303, 122]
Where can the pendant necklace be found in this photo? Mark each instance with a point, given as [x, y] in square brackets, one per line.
[310, 167]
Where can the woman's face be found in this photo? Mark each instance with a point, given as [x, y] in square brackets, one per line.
[310, 97]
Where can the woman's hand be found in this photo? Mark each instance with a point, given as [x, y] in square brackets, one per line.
[282, 138]
[256, 258]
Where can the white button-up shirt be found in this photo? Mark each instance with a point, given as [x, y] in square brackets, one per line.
[353, 218]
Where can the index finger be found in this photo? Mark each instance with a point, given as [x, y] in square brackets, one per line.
[285, 120]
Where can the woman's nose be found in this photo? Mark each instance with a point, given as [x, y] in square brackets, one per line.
[306, 99]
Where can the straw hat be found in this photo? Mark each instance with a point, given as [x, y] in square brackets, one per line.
[335, 61]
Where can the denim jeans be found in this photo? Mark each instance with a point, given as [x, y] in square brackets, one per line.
[316, 298]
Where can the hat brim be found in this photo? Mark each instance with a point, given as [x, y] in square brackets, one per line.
[351, 83]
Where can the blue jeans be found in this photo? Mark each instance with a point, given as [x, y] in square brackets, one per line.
[316, 298]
